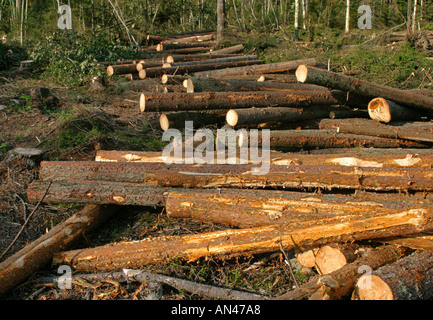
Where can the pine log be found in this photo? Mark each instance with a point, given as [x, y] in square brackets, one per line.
[343, 113]
[234, 100]
[176, 120]
[332, 257]
[340, 283]
[37, 254]
[173, 79]
[258, 69]
[149, 64]
[159, 37]
[383, 110]
[212, 60]
[409, 278]
[417, 242]
[191, 39]
[209, 84]
[193, 50]
[229, 50]
[416, 131]
[308, 74]
[121, 69]
[239, 175]
[198, 57]
[326, 139]
[307, 258]
[235, 242]
[167, 46]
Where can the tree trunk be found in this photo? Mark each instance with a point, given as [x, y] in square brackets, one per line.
[220, 19]
[383, 110]
[225, 100]
[347, 29]
[409, 278]
[173, 79]
[258, 69]
[308, 74]
[199, 57]
[417, 242]
[176, 120]
[235, 242]
[229, 50]
[163, 46]
[37, 254]
[191, 39]
[209, 61]
[417, 131]
[121, 69]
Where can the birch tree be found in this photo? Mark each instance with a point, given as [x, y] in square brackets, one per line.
[348, 16]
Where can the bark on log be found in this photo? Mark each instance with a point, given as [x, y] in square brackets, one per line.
[176, 120]
[213, 60]
[307, 258]
[409, 278]
[416, 242]
[173, 79]
[247, 99]
[235, 242]
[199, 57]
[164, 46]
[159, 37]
[332, 257]
[121, 69]
[158, 72]
[308, 74]
[149, 64]
[229, 50]
[340, 283]
[383, 110]
[258, 69]
[37, 254]
[238, 175]
[417, 131]
[191, 39]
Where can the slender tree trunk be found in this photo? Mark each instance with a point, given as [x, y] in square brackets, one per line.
[348, 16]
[296, 35]
[220, 19]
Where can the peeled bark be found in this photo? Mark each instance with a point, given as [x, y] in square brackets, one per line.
[308, 74]
[235, 242]
[37, 254]
[383, 110]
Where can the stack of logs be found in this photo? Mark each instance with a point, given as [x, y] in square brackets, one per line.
[352, 196]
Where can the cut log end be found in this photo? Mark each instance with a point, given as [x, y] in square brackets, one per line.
[164, 122]
[378, 109]
[329, 259]
[110, 70]
[189, 85]
[170, 59]
[232, 117]
[159, 47]
[372, 287]
[142, 102]
[142, 74]
[261, 79]
[164, 79]
[302, 73]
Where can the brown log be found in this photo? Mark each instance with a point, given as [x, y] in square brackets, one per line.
[230, 50]
[37, 254]
[416, 242]
[340, 283]
[307, 258]
[143, 64]
[240, 175]
[121, 69]
[213, 60]
[417, 131]
[258, 69]
[191, 39]
[198, 57]
[173, 79]
[209, 84]
[159, 37]
[176, 120]
[158, 72]
[342, 113]
[167, 46]
[332, 257]
[409, 278]
[326, 139]
[383, 110]
[235, 242]
[234, 100]
[308, 74]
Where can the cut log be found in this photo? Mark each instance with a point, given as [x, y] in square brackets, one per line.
[237, 175]
[159, 37]
[167, 46]
[307, 258]
[342, 113]
[383, 110]
[215, 85]
[37, 254]
[198, 57]
[230, 50]
[340, 283]
[176, 120]
[213, 60]
[173, 79]
[258, 69]
[233, 100]
[308, 74]
[326, 139]
[409, 278]
[416, 242]
[332, 257]
[121, 69]
[193, 50]
[235, 242]
[158, 72]
[149, 64]
[191, 39]
[416, 131]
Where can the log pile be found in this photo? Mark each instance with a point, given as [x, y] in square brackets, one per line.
[347, 184]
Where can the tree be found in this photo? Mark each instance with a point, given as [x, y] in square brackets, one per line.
[220, 19]
[348, 16]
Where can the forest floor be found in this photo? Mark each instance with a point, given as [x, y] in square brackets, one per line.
[85, 122]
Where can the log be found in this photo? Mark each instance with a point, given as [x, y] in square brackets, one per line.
[417, 131]
[191, 39]
[198, 57]
[234, 242]
[340, 283]
[167, 46]
[332, 257]
[307, 258]
[258, 69]
[176, 120]
[213, 60]
[158, 72]
[229, 50]
[416, 242]
[193, 50]
[308, 74]
[37, 254]
[409, 278]
[386, 111]
[234, 100]
[173, 79]
[235, 176]
[234, 85]
[159, 37]
[326, 139]
[121, 69]
[149, 64]
[342, 113]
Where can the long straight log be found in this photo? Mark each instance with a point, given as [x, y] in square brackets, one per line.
[37, 254]
[163, 46]
[258, 69]
[229, 50]
[233, 100]
[213, 60]
[308, 74]
[158, 72]
[409, 278]
[386, 111]
[422, 241]
[239, 175]
[121, 69]
[176, 120]
[191, 39]
[417, 131]
[234, 242]
[159, 37]
[198, 57]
